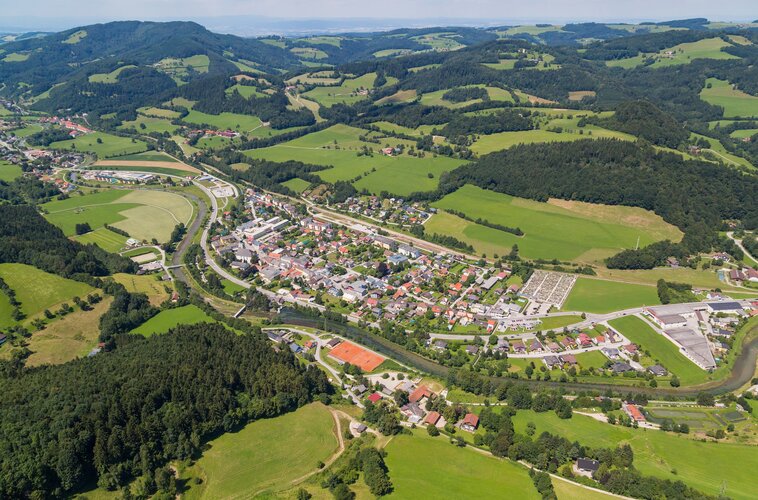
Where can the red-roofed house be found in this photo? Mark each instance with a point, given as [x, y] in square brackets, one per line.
[419, 394]
[432, 418]
[633, 412]
[375, 397]
[470, 422]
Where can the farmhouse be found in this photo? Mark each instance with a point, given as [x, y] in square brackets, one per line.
[432, 418]
[633, 412]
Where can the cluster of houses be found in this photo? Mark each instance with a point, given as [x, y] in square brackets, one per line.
[391, 210]
[198, 133]
[75, 129]
[744, 274]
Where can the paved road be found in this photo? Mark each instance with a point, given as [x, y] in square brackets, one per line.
[730, 234]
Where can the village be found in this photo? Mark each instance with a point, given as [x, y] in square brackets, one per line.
[459, 313]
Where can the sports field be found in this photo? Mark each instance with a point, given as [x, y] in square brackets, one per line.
[356, 355]
[736, 103]
[266, 455]
[602, 296]
[70, 337]
[170, 318]
[224, 121]
[141, 213]
[398, 175]
[708, 48]
[424, 467]
[9, 171]
[109, 145]
[564, 230]
[661, 349]
[705, 466]
[38, 290]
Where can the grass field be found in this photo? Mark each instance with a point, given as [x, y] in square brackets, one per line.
[558, 229]
[436, 99]
[232, 121]
[146, 284]
[170, 318]
[398, 175]
[38, 290]
[591, 359]
[141, 213]
[566, 490]
[601, 296]
[9, 171]
[708, 48]
[151, 124]
[70, 337]
[347, 92]
[266, 455]
[424, 467]
[111, 77]
[557, 322]
[297, 185]
[110, 145]
[718, 150]
[661, 349]
[705, 466]
[104, 238]
[179, 69]
[504, 140]
[736, 103]
[246, 91]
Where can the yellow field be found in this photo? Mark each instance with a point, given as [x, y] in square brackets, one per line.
[146, 284]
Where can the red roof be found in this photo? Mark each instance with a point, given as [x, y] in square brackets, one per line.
[635, 413]
[420, 393]
[432, 418]
[470, 419]
[375, 397]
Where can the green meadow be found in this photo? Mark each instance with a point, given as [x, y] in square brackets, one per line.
[661, 349]
[708, 48]
[38, 290]
[736, 103]
[224, 121]
[111, 77]
[602, 296]
[147, 124]
[436, 99]
[338, 147]
[297, 185]
[504, 140]
[104, 238]
[424, 467]
[347, 92]
[562, 230]
[720, 152]
[705, 466]
[9, 171]
[170, 318]
[246, 91]
[101, 144]
[264, 456]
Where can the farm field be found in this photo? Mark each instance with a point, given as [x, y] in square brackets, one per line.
[110, 145]
[736, 103]
[708, 48]
[265, 456]
[566, 490]
[149, 156]
[452, 472]
[566, 231]
[70, 337]
[111, 77]
[9, 171]
[169, 318]
[141, 213]
[658, 453]
[159, 112]
[224, 121]
[297, 185]
[602, 296]
[38, 290]
[147, 284]
[661, 349]
[698, 278]
[246, 91]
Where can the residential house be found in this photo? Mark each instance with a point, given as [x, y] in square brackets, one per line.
[586, 467]
[470, 422]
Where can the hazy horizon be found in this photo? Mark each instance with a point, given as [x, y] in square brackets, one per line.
[302, 16]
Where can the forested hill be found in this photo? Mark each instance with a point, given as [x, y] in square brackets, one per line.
[120, 415]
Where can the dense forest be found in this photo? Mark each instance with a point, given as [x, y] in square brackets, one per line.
[126, 413]
[645, 120]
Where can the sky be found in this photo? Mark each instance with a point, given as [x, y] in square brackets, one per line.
[60, 14]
